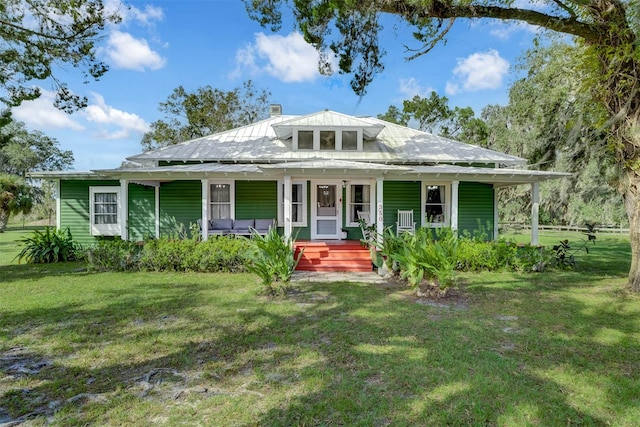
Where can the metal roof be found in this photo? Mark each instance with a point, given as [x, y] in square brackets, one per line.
[394, 144]
[327, 119]
[496, 176]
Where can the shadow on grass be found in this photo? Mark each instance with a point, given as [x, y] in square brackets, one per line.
[335, 354]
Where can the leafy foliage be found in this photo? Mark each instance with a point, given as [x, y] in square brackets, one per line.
[15, 196]
[274, 260]
[50, 246]
[564, 253]
[205, 111]
[428, 253]
[36, 37]
[433, 114]
[220, 254]
[114, 255]
[22, 151]
[501, 255]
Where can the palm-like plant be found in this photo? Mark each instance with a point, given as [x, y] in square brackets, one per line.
[15, 197]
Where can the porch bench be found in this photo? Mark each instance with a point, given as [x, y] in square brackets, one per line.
[239, 227]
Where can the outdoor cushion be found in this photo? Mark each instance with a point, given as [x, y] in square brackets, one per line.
[220, 224]
[263, 224]
[242, 224]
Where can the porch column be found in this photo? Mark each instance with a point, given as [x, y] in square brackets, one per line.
[205, 210]
[124, 209]
[157, 207]
[495, 213]
[454, 206]
[379, 209]
[287, 207]
[58, 205]
[535, 207]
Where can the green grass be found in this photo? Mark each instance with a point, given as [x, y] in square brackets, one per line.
[550, 349]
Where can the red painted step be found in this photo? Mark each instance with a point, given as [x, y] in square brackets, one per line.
[341, 255]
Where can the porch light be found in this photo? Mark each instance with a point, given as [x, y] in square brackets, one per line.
[344, 183]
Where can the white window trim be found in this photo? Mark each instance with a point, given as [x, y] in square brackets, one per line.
[447, 204]
[338, 138]
[232, 196]
[105, 229]
[302, 223]
[372, 197]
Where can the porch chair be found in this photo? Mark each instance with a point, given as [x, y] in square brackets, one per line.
[363, 219]
[405, 222]
[364, 216]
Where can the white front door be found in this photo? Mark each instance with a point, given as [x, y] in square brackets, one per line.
[326, 202]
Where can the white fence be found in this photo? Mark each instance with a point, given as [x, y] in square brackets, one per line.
[517, 227]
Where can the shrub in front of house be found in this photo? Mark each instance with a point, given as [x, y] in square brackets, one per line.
[114, 255]
[220, 254]
[479, 255]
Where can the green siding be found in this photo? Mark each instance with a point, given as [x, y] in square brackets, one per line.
[180, 203]
[142, 212]
[401, 195]
[74, 208]
[475, 207]
[256, 199]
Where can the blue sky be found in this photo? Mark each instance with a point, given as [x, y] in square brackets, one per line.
[163, 44]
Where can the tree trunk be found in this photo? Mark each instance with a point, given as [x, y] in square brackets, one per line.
[4, 219]
[632, 205]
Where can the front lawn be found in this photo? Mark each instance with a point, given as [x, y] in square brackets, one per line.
[556, 348]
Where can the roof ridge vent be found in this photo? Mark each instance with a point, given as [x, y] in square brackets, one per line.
[275, 110]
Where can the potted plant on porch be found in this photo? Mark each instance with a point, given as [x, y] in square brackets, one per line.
[343, 233]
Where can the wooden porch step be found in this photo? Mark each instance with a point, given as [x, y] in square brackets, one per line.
[333, 256]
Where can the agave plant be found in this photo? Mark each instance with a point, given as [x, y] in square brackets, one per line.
[274, 260]
[48, 246]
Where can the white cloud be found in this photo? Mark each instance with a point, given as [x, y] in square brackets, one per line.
[126, 124]
[410, 87]
[42, 114]
[129, 13]
[125, 51]
[479, 71]
[288, 58]
[504, 30]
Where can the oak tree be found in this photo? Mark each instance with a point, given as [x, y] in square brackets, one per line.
[194, 114]
[39, 36]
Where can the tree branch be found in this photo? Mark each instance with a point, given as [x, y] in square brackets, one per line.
[440, 9]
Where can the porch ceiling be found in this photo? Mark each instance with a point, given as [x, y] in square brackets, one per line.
[324, 166]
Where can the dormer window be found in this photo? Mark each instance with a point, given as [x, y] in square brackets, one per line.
[327, 140]
[327, 131]
[349, 140]
[305, 140]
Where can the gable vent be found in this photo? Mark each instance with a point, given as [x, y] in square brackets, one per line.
[275, 110]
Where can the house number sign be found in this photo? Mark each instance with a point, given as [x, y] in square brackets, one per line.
[380, 213]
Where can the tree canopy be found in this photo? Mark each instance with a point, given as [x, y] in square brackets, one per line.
[434, 115]
[22, 151]
[205, 111]
[15, 196]
[607, 29]
[36, 36]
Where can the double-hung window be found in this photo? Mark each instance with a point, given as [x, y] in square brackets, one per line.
[435, 204]
[298, 203]
[358, 200]
[221, 200]
[104, 210]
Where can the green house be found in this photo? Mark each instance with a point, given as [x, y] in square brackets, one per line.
[316, 175]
